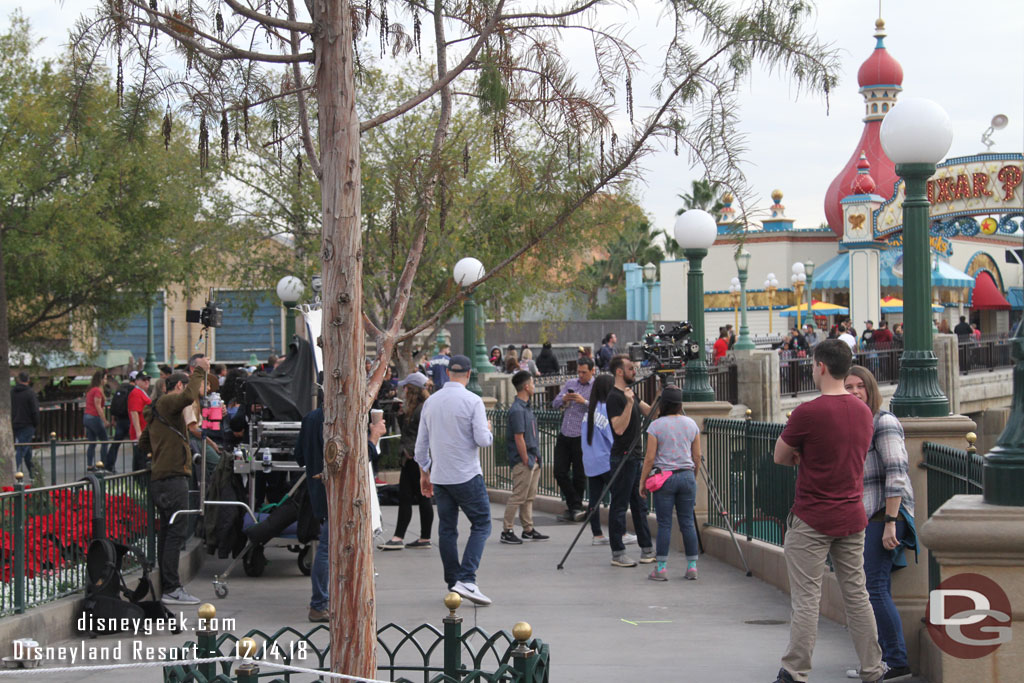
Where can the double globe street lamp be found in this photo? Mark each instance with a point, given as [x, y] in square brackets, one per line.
[744, 343]
[650, 272]
[771, 285]
[695, 231]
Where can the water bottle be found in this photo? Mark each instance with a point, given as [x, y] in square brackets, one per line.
[267, 461]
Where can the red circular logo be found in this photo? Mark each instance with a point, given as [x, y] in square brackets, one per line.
[968, 616]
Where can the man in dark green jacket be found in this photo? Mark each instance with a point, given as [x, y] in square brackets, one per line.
[166, 439]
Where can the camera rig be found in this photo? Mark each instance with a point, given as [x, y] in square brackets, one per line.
[666, 349]
[209, 315]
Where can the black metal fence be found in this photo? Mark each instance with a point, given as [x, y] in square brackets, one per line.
[494, 460]
[60, 461]
[62, 418]
[951, 472]
[756, 494]
[984, 355]
[795, 373]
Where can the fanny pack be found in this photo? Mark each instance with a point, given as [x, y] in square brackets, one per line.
[657, 480]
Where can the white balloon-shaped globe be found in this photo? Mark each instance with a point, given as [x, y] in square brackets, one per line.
[695, 229]
[468, 271]
[290, 289]
[798, 268]
[916, 131]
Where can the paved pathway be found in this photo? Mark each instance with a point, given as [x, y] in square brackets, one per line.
[724, 627]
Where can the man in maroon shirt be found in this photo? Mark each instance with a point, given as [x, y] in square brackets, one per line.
[829, 439]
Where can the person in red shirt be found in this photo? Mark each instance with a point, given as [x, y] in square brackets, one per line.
[137, 401]
[883, 336]
[95, 425]
[721, 345]
[829, 439]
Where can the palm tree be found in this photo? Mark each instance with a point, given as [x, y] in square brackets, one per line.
[703, 195]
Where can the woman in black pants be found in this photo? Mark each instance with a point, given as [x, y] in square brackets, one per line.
[409, 481]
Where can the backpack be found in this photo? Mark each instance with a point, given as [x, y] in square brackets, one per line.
[119, 401]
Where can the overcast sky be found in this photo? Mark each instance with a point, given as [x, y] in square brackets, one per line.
[968, 56]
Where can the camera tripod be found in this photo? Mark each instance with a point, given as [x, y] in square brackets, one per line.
[720, 508]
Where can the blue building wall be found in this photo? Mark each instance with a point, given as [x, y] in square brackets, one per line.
[249, 318]
[133, 335]
[636, 294]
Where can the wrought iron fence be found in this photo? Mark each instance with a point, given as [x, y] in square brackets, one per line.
[403, 654]
[63, 418]
[756, 494]
[795, 373]
[951, 472]
[46, 531]
[61, 461]
[984, 355]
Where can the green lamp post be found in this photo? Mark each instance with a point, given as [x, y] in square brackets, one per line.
[468, 272]
[744, 343]
[916, 135]
[289, 291]
[695, 231]
[150, 367]
[650, 271]
[481, 361]
[809, 272]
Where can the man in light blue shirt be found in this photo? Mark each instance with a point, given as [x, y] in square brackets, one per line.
[453, 427]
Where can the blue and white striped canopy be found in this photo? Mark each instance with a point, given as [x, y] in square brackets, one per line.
[835, 273]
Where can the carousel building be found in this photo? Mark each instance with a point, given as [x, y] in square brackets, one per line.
[853, 267]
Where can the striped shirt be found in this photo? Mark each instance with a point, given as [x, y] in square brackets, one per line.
[574, 412]
[886, 469]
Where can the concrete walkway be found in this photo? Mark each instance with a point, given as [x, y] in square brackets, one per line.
[724, 627]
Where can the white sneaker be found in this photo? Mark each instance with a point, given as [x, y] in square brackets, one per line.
[628, 538]
[471, 593]
[179, 596]
[853, 673]
[600, 540]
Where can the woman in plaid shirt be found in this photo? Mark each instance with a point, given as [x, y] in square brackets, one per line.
[889, 504]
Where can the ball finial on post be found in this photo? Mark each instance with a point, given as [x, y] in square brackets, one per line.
[246, 648]
[522, 632]
[18, 476]
[452, 601]
[972, 438]
[207, 611]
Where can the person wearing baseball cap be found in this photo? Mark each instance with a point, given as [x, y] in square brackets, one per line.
[416, 379]
[453, 428]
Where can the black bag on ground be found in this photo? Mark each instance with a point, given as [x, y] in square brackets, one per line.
[107, 596]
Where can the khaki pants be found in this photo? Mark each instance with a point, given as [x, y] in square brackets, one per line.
[805, 561]
[524, 490]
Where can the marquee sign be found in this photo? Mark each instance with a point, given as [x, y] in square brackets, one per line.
[963, 187]
[938, 244]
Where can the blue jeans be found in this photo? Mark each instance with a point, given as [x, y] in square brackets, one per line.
[597, 485]
[625, 494]
[679, 492]
[321, 572]
[878, 573]
[95, 430]
[24, 453]
[471, 496]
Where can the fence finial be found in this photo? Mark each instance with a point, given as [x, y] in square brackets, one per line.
[207, 611]
[452, 601]
[749, 414]
[789, 414]
[522, 631]
[19, 476]
[247, 648]
[972, 438]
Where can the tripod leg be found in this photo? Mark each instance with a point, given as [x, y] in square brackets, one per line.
[728, 522]
[591, 512]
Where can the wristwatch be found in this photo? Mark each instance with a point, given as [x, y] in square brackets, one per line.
[890, 518]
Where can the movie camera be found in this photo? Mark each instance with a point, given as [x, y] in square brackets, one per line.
[666, 349]
[209, 315]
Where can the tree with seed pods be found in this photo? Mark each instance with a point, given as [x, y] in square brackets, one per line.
[503, 54]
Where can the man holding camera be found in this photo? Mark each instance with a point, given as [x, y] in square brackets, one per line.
[171, 472]
[573, 399]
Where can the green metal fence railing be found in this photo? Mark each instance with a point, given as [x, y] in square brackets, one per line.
[62, 461]
[756, 494]
[423, 653]
[494, 459]
[45, 533]
[951, 472]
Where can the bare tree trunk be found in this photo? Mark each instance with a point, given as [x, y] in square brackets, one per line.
[353, 615]
[6, 432]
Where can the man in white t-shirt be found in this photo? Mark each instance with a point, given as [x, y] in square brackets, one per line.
[845, 335]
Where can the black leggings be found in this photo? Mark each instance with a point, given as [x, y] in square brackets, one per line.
[409, 493]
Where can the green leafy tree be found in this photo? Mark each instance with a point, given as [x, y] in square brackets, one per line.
[502, 54]
[95, 215]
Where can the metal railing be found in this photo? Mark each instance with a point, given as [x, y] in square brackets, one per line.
[57, 462]
[756, 494]
[795, 373]
[63, 418]
[46, 532]
[494, 459]
[984, 355]
[951, 472]
[424, 652]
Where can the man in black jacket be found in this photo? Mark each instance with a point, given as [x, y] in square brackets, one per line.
[309, 452]
[24, 420]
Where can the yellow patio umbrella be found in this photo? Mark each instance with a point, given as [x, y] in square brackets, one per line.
[891, 304]
[818, 308]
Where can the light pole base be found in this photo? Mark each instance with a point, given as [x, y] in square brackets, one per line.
[1003, 474]
[918, 393]
[150, 367]
[696, 385]
[474, 384]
